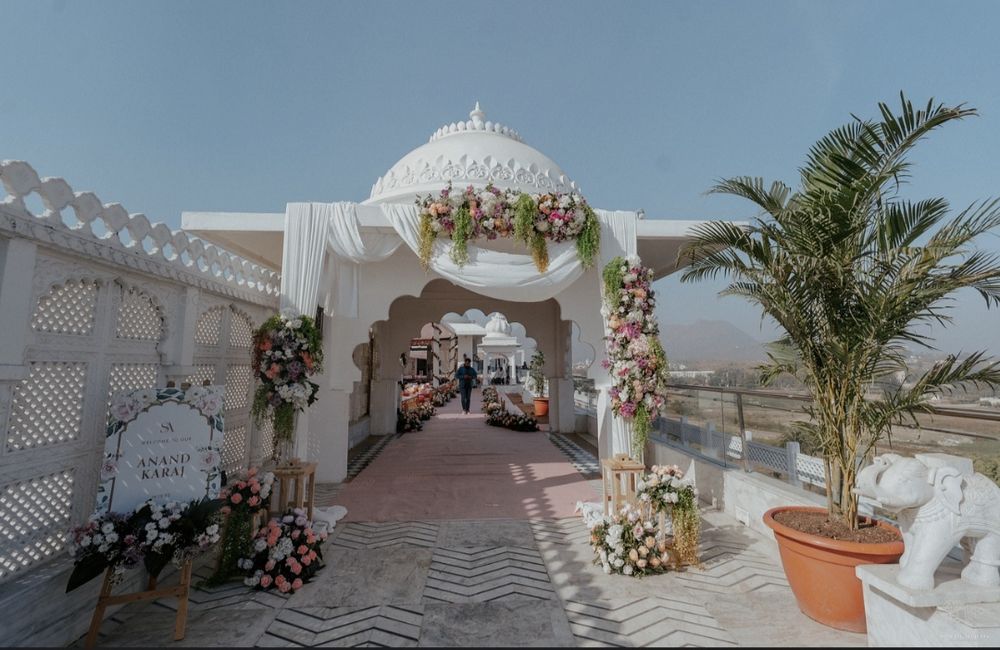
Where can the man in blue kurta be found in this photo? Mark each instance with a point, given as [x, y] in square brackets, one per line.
[466, 376]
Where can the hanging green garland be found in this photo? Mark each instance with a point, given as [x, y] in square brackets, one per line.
[491, 213]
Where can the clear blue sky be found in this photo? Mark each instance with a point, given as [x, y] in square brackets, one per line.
[244, 106]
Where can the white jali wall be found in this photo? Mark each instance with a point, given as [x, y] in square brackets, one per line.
[94, 301]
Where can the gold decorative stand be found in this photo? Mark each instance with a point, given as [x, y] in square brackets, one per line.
[619, 476]
[298, 479]
[105, 600]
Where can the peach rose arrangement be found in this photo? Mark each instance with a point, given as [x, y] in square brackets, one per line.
[286, 554]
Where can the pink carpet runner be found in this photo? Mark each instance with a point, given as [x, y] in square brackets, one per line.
[460, 468]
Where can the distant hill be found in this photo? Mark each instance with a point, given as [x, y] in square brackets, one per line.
[709, 340]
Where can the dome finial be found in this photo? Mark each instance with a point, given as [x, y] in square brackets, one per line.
[478, 115]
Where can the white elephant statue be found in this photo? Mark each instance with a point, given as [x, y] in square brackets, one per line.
[939, 502]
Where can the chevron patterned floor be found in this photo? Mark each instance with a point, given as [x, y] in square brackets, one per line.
[494, 583]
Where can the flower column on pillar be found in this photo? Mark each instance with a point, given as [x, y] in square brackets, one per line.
[636, 359]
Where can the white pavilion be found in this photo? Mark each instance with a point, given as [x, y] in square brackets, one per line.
[358, 262]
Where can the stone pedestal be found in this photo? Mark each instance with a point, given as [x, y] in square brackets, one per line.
[954, 613]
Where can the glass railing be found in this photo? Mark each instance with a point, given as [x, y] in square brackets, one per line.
[716, 422]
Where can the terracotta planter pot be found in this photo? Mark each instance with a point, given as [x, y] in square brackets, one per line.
[821, 571]
[541, 406]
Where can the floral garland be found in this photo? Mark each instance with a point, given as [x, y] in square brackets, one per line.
[636, 360]
[287, 350]
[493, 213]
[512, 421]
[407, 421]
[286, 553]
[152, 535]
[626, 544]
[666, 490]
[498, 416]
[244, 498]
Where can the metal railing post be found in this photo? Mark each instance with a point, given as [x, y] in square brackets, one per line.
[743, 432]
[792, 463]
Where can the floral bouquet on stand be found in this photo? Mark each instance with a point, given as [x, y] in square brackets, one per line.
[286, 553]
[287, 351]
[666, 491]
[636, 360]
[152, 536]
[245, 499]
[626, 543]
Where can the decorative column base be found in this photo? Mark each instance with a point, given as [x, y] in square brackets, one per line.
[952, 614]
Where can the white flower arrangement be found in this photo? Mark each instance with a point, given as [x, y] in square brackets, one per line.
[625, 543]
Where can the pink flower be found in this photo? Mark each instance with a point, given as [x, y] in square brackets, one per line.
[254, 487]
[296, 533]
[306, 560]
[296, 568]
[265, 581]
[302, 549]
[236, 498]
[297, 584]
[254, 501]
[285, 587]
[269, 566]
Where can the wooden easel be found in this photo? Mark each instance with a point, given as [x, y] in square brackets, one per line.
[106, 600]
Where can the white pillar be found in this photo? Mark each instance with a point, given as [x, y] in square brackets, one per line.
[330, 447]
[17, 268]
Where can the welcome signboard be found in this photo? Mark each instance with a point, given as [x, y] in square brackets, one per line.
[163, 444]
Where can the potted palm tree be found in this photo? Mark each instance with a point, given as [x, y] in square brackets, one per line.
[852, 273]
[537, 375]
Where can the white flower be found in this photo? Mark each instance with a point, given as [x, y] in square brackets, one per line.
[108, 527]
[85, 541]
[627, 570]
[111, 537]
[542, 226]
[165, 522]
[213, 529]
[260, 544]
[607, 568]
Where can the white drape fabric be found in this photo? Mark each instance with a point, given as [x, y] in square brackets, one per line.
[302, 257]
[308, 275]
[504, 276]
[618, 237]
[350, 248]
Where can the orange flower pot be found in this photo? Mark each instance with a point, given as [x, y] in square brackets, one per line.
[820, 571]
[541, 406]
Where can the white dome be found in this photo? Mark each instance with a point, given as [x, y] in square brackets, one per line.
[498, 326]
[475, 152]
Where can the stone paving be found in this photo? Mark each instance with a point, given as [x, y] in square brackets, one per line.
[496, 582]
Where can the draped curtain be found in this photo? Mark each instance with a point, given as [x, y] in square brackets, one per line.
[618, 238]
[505, 276]
[312, 229]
